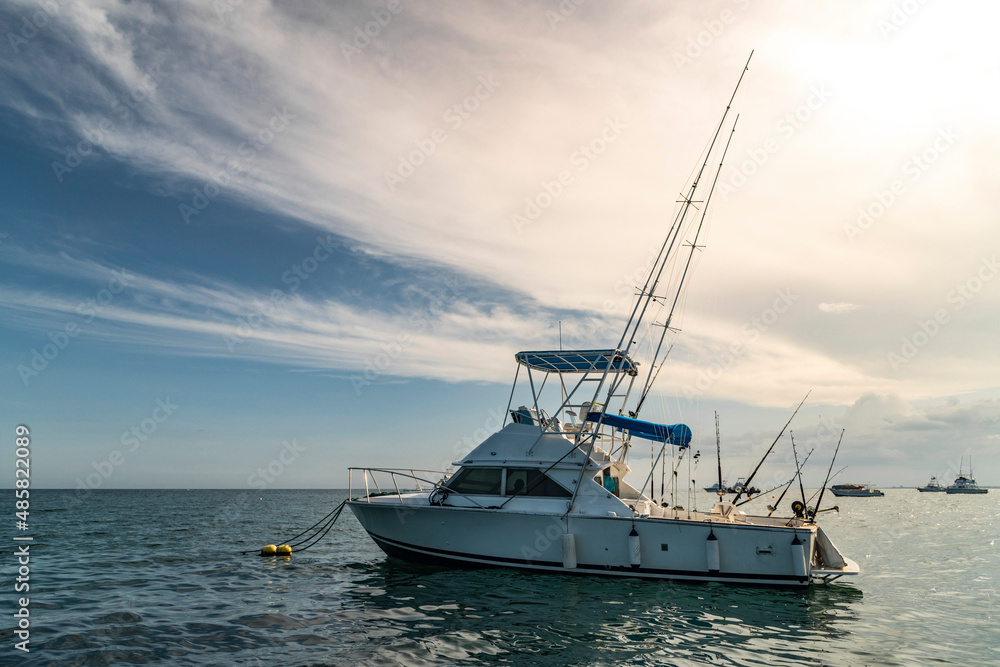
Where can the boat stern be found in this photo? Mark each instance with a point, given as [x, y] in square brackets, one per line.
[828, 563]
[826, 574]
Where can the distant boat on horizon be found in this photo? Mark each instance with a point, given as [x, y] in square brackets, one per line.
[933, 486]
[965, 484]
[856, 490]
[736, 488]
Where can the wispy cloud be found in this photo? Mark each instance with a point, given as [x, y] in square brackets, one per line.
[838, 307]
[452, 340]
[186, 97]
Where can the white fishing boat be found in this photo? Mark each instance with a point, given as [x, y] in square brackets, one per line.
[549, 492]
[933, 486]
[963, 484]
[856, 491]
[741, 486]
[717, 487]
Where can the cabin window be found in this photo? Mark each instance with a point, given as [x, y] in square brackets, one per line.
[477, 481]
[609, 483]
[531, 482]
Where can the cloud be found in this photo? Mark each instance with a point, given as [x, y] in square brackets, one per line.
[445, 338]
[838, 308]
[934, 435]
[873, 411]
[488, 111]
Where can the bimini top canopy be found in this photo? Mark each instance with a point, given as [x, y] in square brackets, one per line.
[577, 361]
[675, 434]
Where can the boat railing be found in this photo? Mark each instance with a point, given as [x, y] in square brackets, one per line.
[370, 476]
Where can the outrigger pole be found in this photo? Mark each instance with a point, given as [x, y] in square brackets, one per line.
[648, 294]
[652, 280]
[687, 265]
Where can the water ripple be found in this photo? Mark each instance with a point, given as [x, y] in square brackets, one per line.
[927, 595]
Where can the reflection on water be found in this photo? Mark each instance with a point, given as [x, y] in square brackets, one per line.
[510, 617]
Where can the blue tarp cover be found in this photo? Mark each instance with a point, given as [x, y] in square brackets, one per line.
[675, 434]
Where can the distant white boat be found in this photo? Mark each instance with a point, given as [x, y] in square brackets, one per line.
[933, 486]
[856, 490]
[965, 484]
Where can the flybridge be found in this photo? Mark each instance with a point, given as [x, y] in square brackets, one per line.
[587, 421]
[587, 362]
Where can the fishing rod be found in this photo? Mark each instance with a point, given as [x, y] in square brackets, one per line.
[827, 480]
[774, 488]
[832, 477]
[746, 484]
[795, 453]
[673, 478]
[718, 456]
[798, 472]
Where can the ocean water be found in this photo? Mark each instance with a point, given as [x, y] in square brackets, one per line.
[142, 577]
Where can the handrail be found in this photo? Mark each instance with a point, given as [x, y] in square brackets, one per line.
[408, 473]
[392, 472]
[399, 470]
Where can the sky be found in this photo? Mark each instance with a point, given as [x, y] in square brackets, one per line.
[251, 244]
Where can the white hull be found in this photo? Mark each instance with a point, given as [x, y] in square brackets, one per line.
[855, 491]
[668, 548]
[858, 494]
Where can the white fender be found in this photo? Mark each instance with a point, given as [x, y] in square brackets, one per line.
[712, 552]
[633, 548]
[569, 551]
[799, 557]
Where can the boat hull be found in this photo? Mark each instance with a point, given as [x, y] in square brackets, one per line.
[977, 490]
[857, 494]
[667, 548]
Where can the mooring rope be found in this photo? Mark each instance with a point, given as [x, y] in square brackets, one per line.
[315, 532]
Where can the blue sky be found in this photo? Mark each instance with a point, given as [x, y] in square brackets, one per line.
[287, 231]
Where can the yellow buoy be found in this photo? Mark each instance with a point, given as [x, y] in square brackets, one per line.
[269, 550]
[284, 550]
